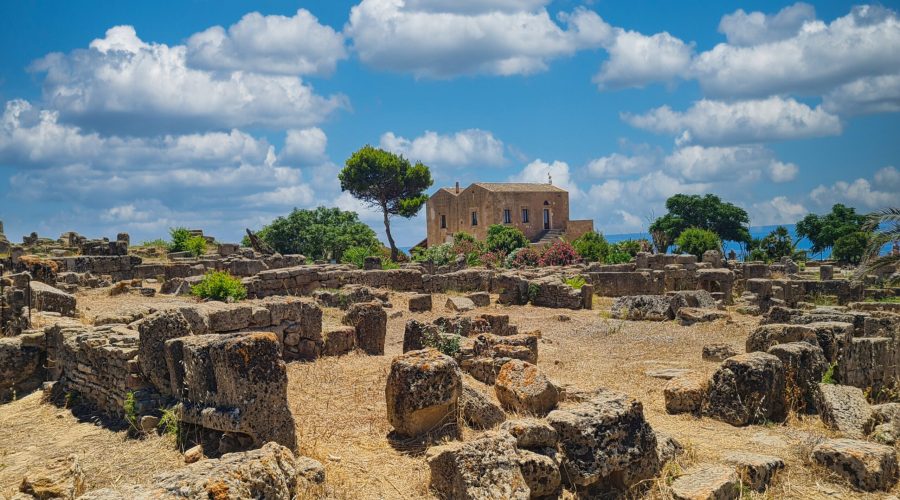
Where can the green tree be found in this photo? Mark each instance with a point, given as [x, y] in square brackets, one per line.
[505, 239]
[387, 181]
[178, 238]
[321, 233]
[696, 241]
[592, 246]
[775, 245]
[709, 212]
[823, 231]
[851, 247]
[885, 228]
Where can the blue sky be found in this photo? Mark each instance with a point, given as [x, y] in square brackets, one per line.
[222, 115]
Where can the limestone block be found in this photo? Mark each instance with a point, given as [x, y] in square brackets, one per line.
[370, 321]
[477, 409]
[531, 433]
[748, 388]
[422, 391]
[707, 482]
[685, 394]
[756, 471]
[522, 388]
[867, 466]
[845, 408]
[486, 467]
[420, 302]
[459, 304]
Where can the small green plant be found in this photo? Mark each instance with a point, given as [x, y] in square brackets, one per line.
[533, 290]
[389, 264]
[71, 399]
[576, 282]
[357, 256]
[130, 407]
[196, 245]
[445, 343]
[178, 238]
[823, 300]
[159, 242]
[169, 423]
[219, 285]
[828, 376]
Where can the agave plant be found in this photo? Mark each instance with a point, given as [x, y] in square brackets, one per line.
[885, 228]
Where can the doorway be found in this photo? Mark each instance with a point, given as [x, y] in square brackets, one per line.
[546, 218]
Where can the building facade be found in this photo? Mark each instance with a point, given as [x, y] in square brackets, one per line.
[541, 211]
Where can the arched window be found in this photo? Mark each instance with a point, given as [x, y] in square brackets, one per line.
[546, 202]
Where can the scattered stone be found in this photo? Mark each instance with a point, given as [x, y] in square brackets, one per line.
[480, 299]
[667, 373]
[531, 433]
[764, 337]
[422, 391]
[642, 307]
[867, 466]
[339, 341]
[477, 410]
[746, 389]
[885, 434]
[689, 315]
[606, 445]
[845, 408]
[192, 455]
[149, 423]
[522, 388]
[370, 321]
[541, 472]
[756, 471]
[804, 365]
[486, 467]
[420, 302]
[61, 478]
[718, 352]
[685, 394]
[667, 447]
[459, 304]
[707, 482]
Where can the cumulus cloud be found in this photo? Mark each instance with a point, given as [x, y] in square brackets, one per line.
[877, 94]
[540, 171]
[471, 147]
[778, 210]
[122, 83]
[304, 146]
[296, 45]
[697, 163]
[619, 165]
[717, 122]
[862, 192]
[636, 60]
[819, 57]
[754, 28]
[441, 39]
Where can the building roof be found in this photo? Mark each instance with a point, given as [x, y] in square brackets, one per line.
[519, 187]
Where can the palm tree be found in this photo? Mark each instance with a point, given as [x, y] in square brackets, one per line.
[885, 228]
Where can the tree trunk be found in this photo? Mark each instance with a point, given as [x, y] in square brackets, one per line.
[387, 231]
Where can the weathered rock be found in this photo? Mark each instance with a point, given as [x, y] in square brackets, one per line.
[667, 373]
[845, 408]
[605, 443]
[193, 454]
[718, 352]
[422, 391]
[692, 298]
[486, 467]
[459, 304]
[149, 423]
[748, 388]
[61, 478]
[541, 472]
[643, 307]
[47, 298]
[531, 433]
[885, 434]
[420, 302]
[154, 331]
[370, 321]
[707, 482]
[804, 365]
[689, 315]
[522, 388]
[667, 447]
[756, 471]
[765, 336]
[415, 334]
[477, 410]
[339, 341]
[867, 466]
[685, 394]
[21, 367]
[480, 299]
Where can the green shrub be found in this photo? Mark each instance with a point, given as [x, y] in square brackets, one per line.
[448, 344]
[196, 245]
[617, 255]
[169, 422]
[356, 256]
[439, 255]
[178, 238]
[592, 246]
[505, 239]
[130, 408]
[828, 376]
[159, 243]
[576, 282]
[219, 285]
[695, 241]
[533, 290]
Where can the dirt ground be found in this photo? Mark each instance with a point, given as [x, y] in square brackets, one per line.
[339, 408]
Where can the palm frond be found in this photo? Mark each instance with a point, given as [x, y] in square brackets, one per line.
[878, 217]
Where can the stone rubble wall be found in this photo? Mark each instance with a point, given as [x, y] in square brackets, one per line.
[15, 293]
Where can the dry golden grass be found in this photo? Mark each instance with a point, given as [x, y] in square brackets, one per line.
[340, 411]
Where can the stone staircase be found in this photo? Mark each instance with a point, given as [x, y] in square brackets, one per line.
[547, 237]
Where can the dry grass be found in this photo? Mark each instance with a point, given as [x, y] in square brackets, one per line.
[340, 413]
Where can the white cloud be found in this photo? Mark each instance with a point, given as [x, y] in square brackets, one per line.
[296, 45]
[540, 171]
[619, 165]
[778, 210]
[441, 39]
[819, 57]
[705, 164]
[861, 192]
[471, 147]
[782, 172]
[877, 94]
[124, 84]
[717, 122]
[636, 60]
[743, 29]
[304, 146]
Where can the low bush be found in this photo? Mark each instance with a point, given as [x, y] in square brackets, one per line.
[196, 245]
[505, 239]
[219, 285]
[576, 282]
[178, 238]
[559, 253]
[356, 256]
[438, 255]
[592, 247]
[695, 241]
[524, 257]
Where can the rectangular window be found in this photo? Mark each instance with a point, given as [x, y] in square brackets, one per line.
[525, 216]
[474, 218]
[507, 216]
[443, 222]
